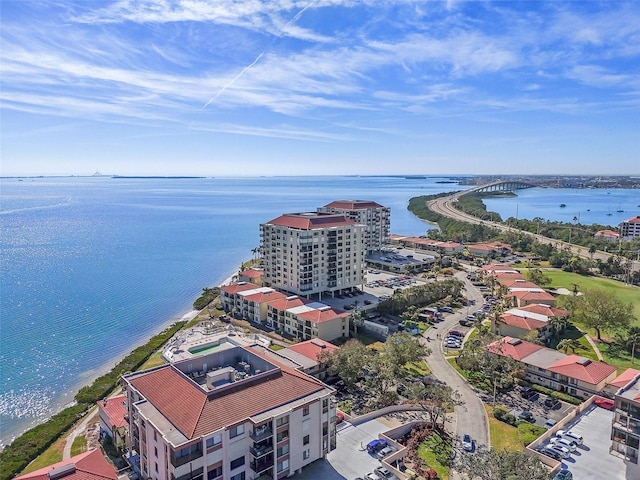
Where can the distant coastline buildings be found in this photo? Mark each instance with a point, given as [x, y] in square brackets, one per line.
[630, 228]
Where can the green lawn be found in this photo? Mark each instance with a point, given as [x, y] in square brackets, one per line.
[585, 350]
[416, 369]
[625, 293]
[79, 445]
[503, 435]
[433, 448]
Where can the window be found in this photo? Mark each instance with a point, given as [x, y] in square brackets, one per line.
[238, 462]
[156, 466]
[283, 465]
[155, 450]
[283, 450]
[282, 421]
[283, 435]
[215, 473]
[155, 436]
[305, 440]
[213, 441]
[306, 424]
[235, 431]
[239, 476]
[325, 428]
[305, 410]
[305, 454]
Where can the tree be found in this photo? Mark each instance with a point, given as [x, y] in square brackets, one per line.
[557, 324]
[357, 319]
[632, 340]
[601, 310]
[501, 465]
[568, 343]
[348, 362]
[535, 275]
[401, 348]
[436, 400]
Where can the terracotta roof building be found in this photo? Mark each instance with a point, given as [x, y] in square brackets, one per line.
[518, 322]
[608, 235]
[305, 356]
[630, 228]
[365, 212]
[232, 414]
[90, 465]
[313, 253]
[112, 412]
[572, 374]
[625, 431]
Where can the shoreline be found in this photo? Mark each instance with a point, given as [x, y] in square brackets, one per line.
[87, 377]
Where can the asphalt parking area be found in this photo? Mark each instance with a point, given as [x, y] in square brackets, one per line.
[350, 459]
[592, 460]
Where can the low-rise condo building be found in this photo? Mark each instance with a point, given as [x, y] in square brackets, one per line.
[630, 228]
[520, 322]
[89, 465]
[625, 429]
[232, 414]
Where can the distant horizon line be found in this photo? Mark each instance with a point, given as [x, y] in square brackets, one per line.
[407, 176]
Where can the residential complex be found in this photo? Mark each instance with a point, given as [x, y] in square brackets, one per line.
[297, 316]
[520, 322]
[572, 374]
[625, 430]
[365, 212]
[313, 253]
[630, 228]
[89, 465]
[232, 414]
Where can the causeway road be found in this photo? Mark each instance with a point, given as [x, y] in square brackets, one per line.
[445, 206]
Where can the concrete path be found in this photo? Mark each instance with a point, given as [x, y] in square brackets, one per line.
[594, 346]
[78, 431]
[470, 418]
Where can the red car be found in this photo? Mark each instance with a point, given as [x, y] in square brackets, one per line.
[605, 403]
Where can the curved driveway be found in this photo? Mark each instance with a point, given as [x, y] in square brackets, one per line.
[471, 418]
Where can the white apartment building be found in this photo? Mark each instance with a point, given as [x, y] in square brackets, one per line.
[231, 414]
[630, 228]
[313, 253]
[376, 217]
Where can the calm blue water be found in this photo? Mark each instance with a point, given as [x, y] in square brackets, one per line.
[589, 206]
[91, 267]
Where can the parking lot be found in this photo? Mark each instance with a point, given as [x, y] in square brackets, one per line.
[592, 460]
[350, 459]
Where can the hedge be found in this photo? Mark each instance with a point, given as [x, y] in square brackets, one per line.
[28, 446]
[559, 395]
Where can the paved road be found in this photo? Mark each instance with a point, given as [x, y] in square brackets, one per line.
[444, 206]
[471, 418]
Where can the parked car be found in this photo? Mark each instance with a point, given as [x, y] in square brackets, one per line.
[563, 475]
[528, 393]
[605, 403]
[563, 451]
[563, 442]
[467, 443]
[550, 453]
[570, 436]
[456, 333]
[549, 423]
[384, 473]
[371, 476]
[527, 416]
[385, 452]
[551, 402]
[377, 444]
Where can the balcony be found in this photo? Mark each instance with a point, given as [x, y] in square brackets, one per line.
[259, 466]
[260, 434]
[178, 462]
[260, 450]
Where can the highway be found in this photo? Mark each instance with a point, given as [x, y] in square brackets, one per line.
[444, 206]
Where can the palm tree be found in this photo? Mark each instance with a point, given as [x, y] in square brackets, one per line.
[558, 324]
[568, 343]
[633, 338]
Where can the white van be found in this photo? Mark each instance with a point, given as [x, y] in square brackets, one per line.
[572, 437]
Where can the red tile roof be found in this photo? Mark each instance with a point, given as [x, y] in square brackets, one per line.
[90, 465]
[525, 323]
[635, 219]
[319, 316]
[606, 233]
[194, 413]
[238, 287]
[288, 302]
[115, 410]
[537, 296]
[312, 348]
[251, 273]
[311, 221]
[624, 378]
[264, 297]
[496, 267]
[513, 347]
[353, 204]
[517, 283]
[580, 368]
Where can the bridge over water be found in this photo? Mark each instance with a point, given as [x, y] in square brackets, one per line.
[502, 186]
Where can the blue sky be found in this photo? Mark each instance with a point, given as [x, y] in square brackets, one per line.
[286, 87]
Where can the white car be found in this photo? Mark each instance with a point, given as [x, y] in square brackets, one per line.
[563, 442]
[467, 443]
[564, 452]
[385, 452]
[384, 473]
[572, 437]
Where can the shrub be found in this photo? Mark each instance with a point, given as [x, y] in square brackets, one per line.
[529, 432]
[559, 395]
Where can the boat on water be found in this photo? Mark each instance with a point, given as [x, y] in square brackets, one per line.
[562, 205]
